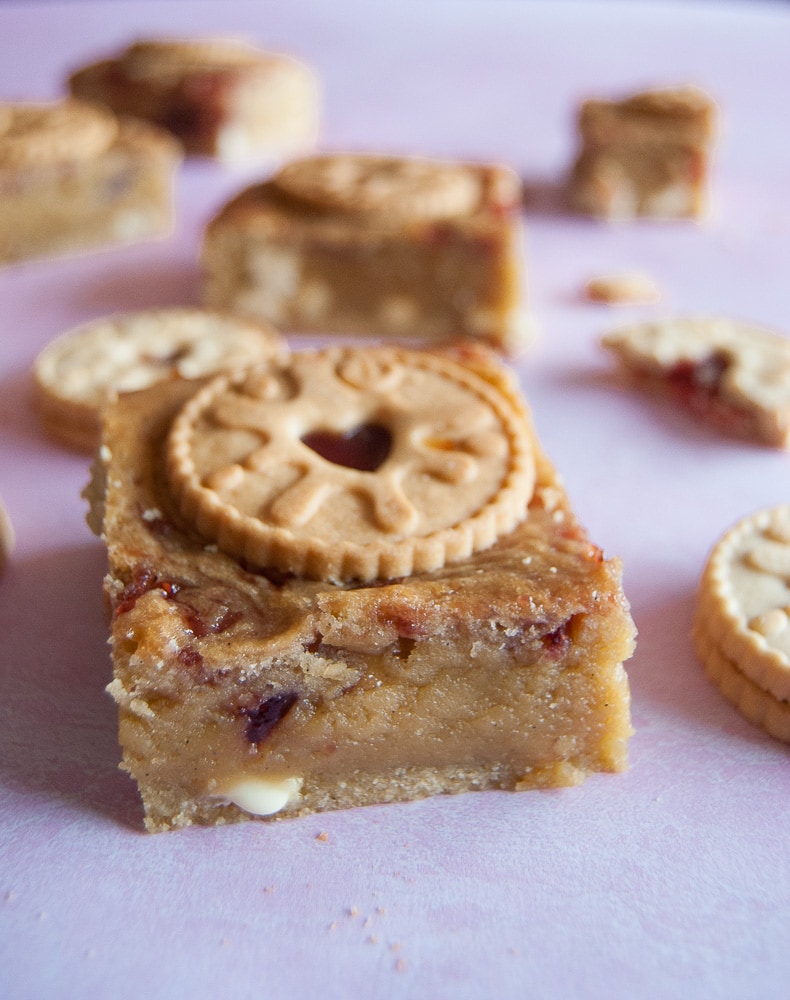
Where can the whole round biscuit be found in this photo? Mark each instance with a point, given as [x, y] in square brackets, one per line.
[164, 60]
[42, 134]
[758, 706]
[80, 370]
[744, 598]
[396, 187]
[352, 463]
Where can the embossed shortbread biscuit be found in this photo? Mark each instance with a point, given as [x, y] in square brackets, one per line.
[733, 375]
[393, 187]
[80, 370]
[352, 463]
[33, 135]
[744, 599]
[758, 706]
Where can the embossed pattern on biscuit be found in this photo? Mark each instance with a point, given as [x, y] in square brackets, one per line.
[453, 469]
[744, 598]
[408, 188]
[33, 135]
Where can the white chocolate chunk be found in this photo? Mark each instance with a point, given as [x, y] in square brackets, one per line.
[262, 796]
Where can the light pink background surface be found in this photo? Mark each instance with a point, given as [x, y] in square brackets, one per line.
[672, 880]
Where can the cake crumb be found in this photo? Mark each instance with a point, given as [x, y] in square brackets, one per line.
[400, 965]
[373, 939]
[353, 911]
[627, 288]
[323, 836]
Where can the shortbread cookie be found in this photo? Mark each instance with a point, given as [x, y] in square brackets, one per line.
[220, 97]
[415, 190]
[757, 705]
[245, 691]
[625, 288]
[75, 178]
[352, 463]
[734, 376]
[7, 537]
[80, 370]
[41, 135]
[744, 598]
[361, 244]
[645, 155]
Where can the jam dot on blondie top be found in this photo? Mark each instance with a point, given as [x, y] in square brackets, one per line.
[262, 720]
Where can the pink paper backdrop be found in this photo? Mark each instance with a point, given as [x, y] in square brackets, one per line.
[672, 880]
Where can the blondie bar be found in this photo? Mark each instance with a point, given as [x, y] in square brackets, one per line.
[402, 247]
[248, 689]
[220, 98]
[73, 178]
[645, 155]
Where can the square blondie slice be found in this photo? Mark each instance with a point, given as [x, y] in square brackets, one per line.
[646, 155]
[361, 244]
[74, 178]
[245, 689]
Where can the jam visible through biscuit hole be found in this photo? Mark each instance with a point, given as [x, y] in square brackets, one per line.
[364, 449]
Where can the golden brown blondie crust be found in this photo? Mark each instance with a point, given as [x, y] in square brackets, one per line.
[321, 265]
[503, 670]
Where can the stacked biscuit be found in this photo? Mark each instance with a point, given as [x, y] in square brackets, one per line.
[742, 624]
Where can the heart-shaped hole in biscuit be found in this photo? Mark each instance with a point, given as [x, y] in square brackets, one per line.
[365, 448]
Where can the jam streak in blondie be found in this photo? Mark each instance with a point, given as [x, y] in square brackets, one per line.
[262, 720]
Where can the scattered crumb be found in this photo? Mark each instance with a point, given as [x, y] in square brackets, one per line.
[373, 939]
[367, 922]
[10, 896]
[269, 889]
[400, 965]
[621, 289]
[333, 926]
[353, 911]
[380, 910]
[323, 836]
[395, 946]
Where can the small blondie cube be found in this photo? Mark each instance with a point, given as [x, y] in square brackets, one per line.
[75, 178]
[220, 98]
[304, 619]
[646, 155]
[362, 244]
